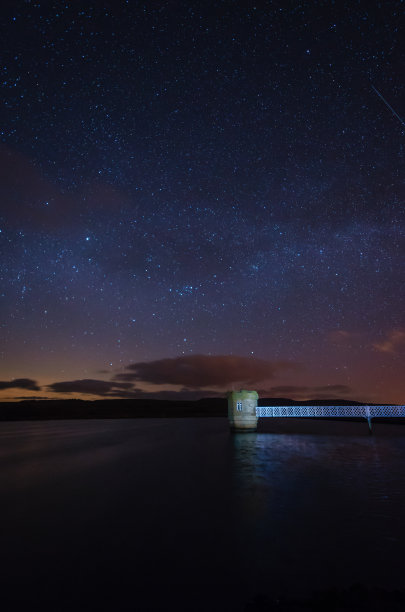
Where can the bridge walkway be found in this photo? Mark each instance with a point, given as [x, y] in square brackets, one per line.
[365, 412]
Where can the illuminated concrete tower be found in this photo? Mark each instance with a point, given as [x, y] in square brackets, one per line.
[242, 410]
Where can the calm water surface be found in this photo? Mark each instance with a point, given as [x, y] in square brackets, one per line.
[154, 514]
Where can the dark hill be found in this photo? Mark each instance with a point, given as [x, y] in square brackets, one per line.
[284, 401]
[129, 408]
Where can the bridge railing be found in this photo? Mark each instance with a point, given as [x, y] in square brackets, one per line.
[366, 412]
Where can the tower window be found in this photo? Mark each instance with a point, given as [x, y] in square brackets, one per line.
[238, 405]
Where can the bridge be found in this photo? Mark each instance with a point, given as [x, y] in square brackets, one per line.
[243, 411]
[331, 412]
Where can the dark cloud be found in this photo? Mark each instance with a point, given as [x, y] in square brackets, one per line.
[199, 371]
[91, 386]
[37, 204]
[28, 397]
[32, 203]
[181, 395]
[126, 390]
[394, 342]
[345, 339]
[335, 389]
[303, 392]
[334, 397]
[294, 390]
[20, 383]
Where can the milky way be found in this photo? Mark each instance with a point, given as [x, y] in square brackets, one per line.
[202, 179]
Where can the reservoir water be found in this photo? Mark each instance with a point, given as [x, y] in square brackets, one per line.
[159, 514]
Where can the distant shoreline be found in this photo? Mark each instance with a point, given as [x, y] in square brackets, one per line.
[41, 410]
[110, 409]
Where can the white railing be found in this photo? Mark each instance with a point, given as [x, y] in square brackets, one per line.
[367, 412]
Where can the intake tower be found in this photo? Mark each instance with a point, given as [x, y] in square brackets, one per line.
[242, 410]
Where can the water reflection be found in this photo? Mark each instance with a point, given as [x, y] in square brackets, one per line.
[157, 507]
[326, 509]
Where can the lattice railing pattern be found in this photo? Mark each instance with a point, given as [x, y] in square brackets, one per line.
[331, 411]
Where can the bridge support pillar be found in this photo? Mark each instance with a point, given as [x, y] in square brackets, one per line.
[242, 410]
[368, 417]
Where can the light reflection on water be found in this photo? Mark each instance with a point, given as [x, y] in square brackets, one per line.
[321, 510]
[122, 506]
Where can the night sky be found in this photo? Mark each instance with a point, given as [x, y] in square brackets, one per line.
[200, 196]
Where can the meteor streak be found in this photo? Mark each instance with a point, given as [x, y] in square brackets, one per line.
[388, 105]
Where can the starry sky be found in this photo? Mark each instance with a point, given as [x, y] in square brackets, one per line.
[199, 196]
